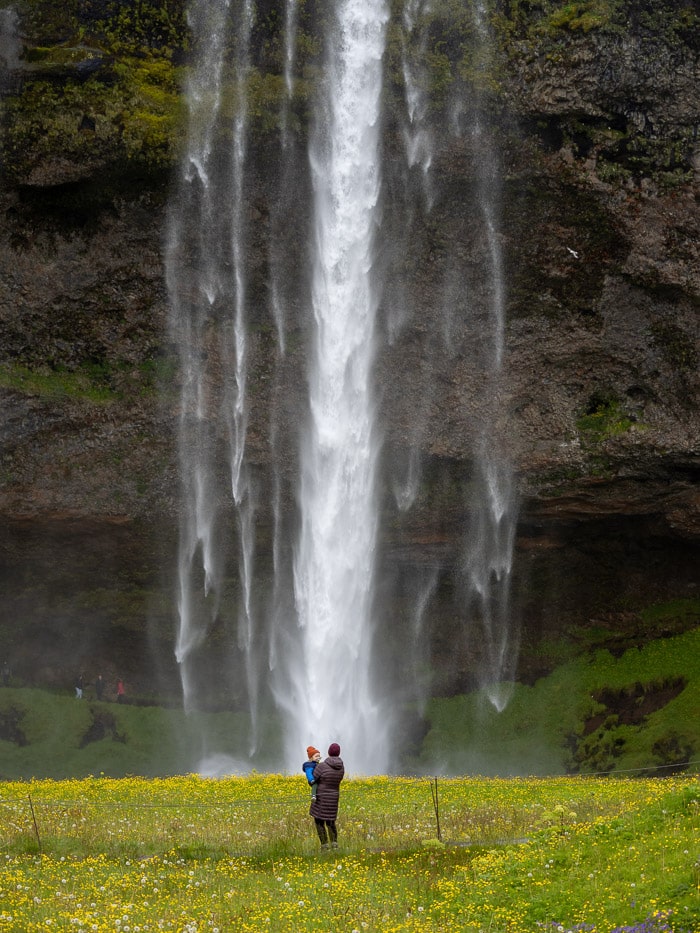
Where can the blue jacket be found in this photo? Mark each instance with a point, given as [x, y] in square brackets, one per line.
[308, 769]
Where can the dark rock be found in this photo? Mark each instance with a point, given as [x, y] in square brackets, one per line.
[10, 731]
[600, 231]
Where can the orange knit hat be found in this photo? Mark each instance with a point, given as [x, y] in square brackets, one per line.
[311, 751]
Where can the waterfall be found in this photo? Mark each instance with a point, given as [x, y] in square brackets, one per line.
[206, 278]
[334, 564]
[473, 299]
[10, 45]
[279, 571]
[290, 35]
[491, 535]
[290, 24]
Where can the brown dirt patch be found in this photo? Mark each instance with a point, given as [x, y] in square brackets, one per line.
[10, 730]
[633, 704]
[103, 726]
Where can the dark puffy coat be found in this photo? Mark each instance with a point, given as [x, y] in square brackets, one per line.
[328, 774]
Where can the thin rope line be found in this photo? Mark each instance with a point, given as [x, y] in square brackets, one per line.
[238, 803]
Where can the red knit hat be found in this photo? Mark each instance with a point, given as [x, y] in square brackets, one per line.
[311, 751]
[334, 750]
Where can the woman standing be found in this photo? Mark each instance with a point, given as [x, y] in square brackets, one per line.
[324, 809]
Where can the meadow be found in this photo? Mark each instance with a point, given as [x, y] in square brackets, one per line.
[190, 855]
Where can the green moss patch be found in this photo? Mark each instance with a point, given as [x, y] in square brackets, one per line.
[603, 418]
[128, 115]
[86, 384]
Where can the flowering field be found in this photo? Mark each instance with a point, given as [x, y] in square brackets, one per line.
[190, 854]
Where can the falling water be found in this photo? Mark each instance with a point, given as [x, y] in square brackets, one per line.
[205, 264]
[489, 551]
[334, 566]
[290, 24]
[417, 136]
[290, 35]
[307, 626]
[475, 302]
[10, 48]
[418, 139]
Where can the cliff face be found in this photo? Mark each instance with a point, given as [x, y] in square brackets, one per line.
[595, 126]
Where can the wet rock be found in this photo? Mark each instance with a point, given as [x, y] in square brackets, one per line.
[600, 233]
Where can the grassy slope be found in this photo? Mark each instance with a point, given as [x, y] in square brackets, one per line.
[147, 741]
[539, 729]
[540, 732]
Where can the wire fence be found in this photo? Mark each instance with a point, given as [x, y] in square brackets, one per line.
[395, 811]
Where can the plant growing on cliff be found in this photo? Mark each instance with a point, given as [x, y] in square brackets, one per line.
[153, 24]
[56, 383]
[129, 111]
[553, 19]
[583, 16]
[113, 24]
[603, 418]
[100, 87]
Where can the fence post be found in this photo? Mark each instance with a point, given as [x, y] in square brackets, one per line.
[36, 827]
[436, 806]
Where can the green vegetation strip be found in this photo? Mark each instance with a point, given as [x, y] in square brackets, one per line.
[632, 714]
[567, 721]
[55, 383]
[191, 854]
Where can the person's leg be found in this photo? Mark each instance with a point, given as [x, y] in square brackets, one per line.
[321, 830]
[332, 832]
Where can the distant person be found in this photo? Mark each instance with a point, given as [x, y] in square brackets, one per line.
[6, 674]
[79, 687]
[99, 687]
[120, 691]
[314, 756]
[324, 809]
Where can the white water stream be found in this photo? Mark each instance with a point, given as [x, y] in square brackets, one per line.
[205, 265]
[10, 43]
[335, 558]
[491, 535]
[308, 644]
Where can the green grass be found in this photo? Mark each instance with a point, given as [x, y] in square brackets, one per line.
[536, 731]
[515, 856]
[508, 855]
[546, 729]
[145, 740]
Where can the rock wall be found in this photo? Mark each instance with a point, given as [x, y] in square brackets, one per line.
[596, 125]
